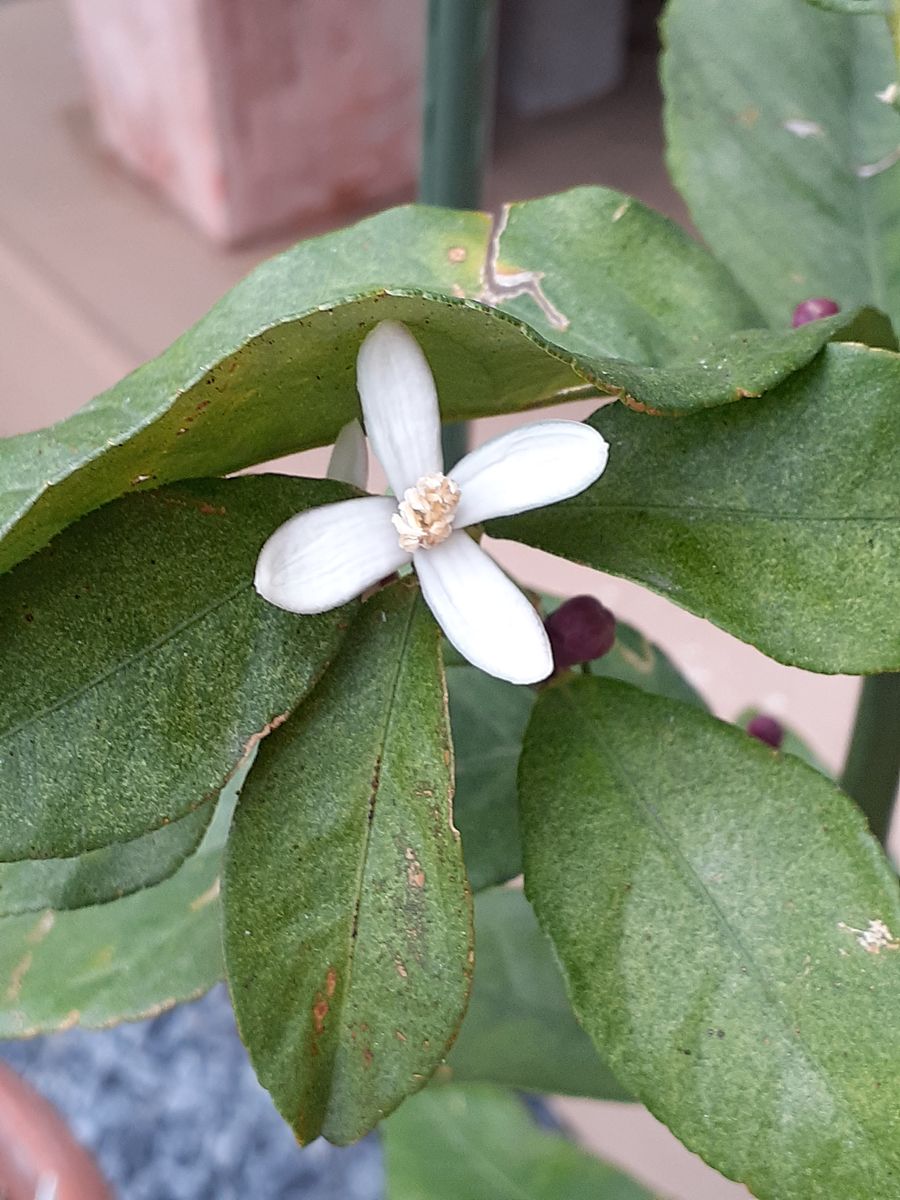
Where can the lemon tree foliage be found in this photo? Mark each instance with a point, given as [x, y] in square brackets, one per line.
[727, 927]
[347, 913]
[707, 925]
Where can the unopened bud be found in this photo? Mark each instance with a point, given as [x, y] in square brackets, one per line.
[580, 630]
[813, 310]
[766, 729]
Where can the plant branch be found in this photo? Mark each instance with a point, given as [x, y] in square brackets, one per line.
[458, 93]
[872, 769]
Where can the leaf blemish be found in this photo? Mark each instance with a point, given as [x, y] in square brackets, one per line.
[875, 938]
[19, 971]
[802, 128]
[414, 873]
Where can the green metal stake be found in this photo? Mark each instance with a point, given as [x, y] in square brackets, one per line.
[873, 763]
[458, 78]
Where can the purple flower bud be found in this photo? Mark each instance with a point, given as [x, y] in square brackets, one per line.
[766, 729]
[814, 310]
[580, 630]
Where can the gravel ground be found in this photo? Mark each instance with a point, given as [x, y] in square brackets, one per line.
[172, 1111]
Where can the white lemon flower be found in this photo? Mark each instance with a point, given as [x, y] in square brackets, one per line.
[326, 556]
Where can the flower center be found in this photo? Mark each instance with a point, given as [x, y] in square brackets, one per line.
[424, 516]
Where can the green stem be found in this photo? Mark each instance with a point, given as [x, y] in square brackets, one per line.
[873, 762]
[458, 79]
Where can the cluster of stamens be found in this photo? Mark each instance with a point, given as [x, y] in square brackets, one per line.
[424, 516]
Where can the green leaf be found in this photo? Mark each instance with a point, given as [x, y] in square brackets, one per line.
[871, 327]
[777, 519]
[608, 285]
[100, 876]
[478, 1143]
[783, 150]
[122, 961]
[139, 663]
[649, 313]
[488, 718]
[271, 369]
[855, 7]
[520, 1029]
[348, 935]
[726, 925]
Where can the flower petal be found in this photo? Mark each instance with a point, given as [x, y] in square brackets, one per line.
[400, 405]
[482, 612]
[325, 556]
[349, 462]
[527, 468]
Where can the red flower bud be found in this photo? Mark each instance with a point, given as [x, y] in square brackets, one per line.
[766, 729]
[814, 310]
[580, 630]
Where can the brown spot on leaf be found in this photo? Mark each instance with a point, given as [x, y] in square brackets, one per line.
[414, 874]
[400, 968]
[320, 1012]
[639, 406]
[367, 1057]
[457, 254]
[330, 981]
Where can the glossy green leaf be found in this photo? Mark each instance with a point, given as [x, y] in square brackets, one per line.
[138, 662]
[488, 718]
[479, 1143]
[649, 313]
[100, 876]
[519, 1029]
[784, 151]
[271, 370]
[726, 924]
[777, 519]
[347, 915]
[587, 287]
[122, 961]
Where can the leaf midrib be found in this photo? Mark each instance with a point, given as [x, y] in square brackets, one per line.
[364, 855]
[728, 513]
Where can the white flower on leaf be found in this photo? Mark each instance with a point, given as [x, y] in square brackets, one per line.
[322, 558]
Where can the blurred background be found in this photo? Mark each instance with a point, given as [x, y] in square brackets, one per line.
[151, 153]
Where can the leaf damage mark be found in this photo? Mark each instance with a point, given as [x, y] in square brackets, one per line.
[874, 938]
[45, 923]
[868, 170]
[621, 211]
[17, 976]
[207, 897]
[802, 128]
[414, 874]
[323, 1001]
[499, 285]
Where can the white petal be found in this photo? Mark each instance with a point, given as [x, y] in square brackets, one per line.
[326, 556]
[349, 462]
[526, 468]
[482, 612]
[400, 405]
